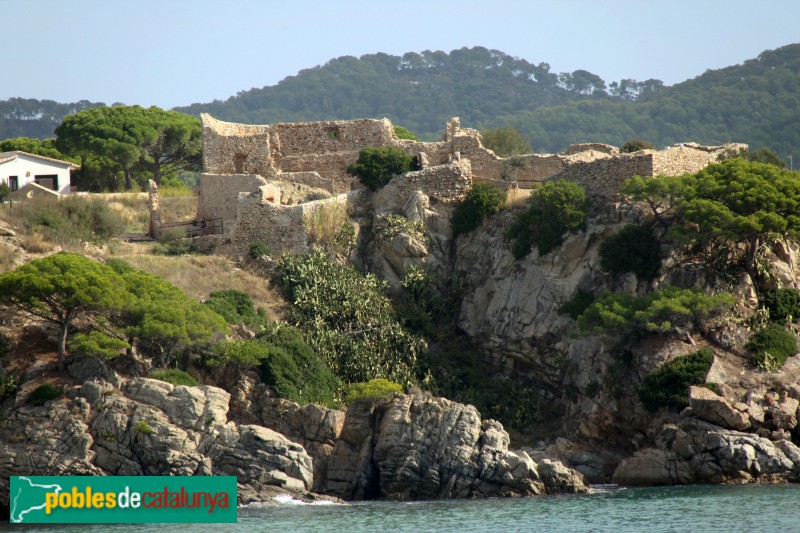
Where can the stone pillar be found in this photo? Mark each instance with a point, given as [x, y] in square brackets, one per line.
[155, 215]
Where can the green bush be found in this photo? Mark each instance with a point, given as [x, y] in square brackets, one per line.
[294, 370]
[70, 220]
[482, 200]
[8, 386]
[668, 386]
[257, 249]
[286, 362]
[403, 133]
[97, 344]
[142, 427]
[634, 249]
[376, 388]
[579, 302]
[783, 304]
[635, 146]
[772, 346]
[348, 319]
[661, 311]
[175, 376]
[556, 208]
[236, 307]
[44, 393]
[393, 225]
[377, 166]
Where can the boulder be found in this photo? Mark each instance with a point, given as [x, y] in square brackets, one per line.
[713, 408]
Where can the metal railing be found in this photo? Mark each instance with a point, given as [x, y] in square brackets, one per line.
[196, 228]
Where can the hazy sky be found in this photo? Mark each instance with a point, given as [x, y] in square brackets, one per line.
[177, 52]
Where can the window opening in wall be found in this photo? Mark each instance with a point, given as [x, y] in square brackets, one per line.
[238, 163]
[13, 183]
[48, 181]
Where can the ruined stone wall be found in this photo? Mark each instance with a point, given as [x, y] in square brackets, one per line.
[235, 148]
[281, 227]
[678, 160]
[605, 176]
[219, 195]
[596, 147]
[310, 179]
[448, 183]
[329, 137]
[330, 167]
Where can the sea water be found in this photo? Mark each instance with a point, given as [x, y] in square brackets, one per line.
[718, 508]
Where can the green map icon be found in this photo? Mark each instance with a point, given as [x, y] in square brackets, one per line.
[27, 499]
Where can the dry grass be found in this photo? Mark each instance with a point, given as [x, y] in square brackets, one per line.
[35, 243]
[201, 275]
[178, 208]
[7, 258]
[325, 220]
[516, 197]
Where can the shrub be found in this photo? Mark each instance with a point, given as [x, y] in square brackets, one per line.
[376, 388]
[142, 427]
[393, 225]
[324, 222]
[579, 302]
[348, 319]
[634, 249]
[635, 146]
[8, 386]
[236, 307]
[668, 386]
[556, 208]
[257, 249]
[70, 220]
[44, 393]
[175, 376]
[772, 346]
[661, 311]
[783, 304]
[482, 200]
[403, 133]
[377, 166]
[506, 141]
[294, 370]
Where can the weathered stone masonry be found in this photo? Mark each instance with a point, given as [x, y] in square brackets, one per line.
[242, 163]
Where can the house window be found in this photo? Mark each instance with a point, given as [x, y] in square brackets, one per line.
[13, 183]
[48, 181]
[238, 163]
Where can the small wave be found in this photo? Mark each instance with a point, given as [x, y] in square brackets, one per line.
[604, 488]
[285, 499]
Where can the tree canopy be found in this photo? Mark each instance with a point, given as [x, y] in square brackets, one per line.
[61, 288]
[133, 138]
[377, 166]
[506, 141]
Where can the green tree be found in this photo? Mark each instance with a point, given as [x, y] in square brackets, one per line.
[161, 318]
[506, 141]
[377, 166]
[5, 190]
[668, 385]
[61, 288]
[403, 133]
[635, 146]
[555, 208]
[634, 249]
[482, 200]
[131, 137]
[44, 147]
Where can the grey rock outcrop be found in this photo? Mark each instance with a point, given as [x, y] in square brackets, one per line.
[421, 447]
[699, 452]
[149, 427]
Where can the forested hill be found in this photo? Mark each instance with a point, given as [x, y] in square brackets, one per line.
[27, 117]
[757, 102]
[419, 91]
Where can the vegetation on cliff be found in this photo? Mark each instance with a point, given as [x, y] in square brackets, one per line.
[482, 200]
[668, 385]
[377, 166]
[556, 208]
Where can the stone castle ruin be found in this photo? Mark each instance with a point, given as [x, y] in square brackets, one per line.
[264, 182]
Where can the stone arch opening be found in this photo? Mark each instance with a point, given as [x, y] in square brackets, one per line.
[238, 162]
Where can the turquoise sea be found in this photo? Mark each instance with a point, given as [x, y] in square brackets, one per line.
[718, 508]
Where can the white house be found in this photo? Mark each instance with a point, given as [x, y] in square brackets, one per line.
[20, 169]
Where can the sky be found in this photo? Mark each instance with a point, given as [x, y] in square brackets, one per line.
[172, 53]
